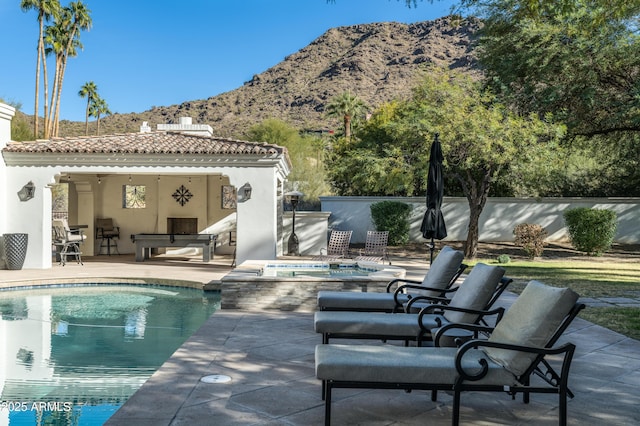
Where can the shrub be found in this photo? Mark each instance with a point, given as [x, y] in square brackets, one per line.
[392, 216]
[504, 258]
[591, 230]
[530, 237]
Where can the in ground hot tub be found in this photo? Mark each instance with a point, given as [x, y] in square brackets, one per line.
[292, 285]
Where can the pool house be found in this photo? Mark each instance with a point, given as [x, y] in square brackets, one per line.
[177, 179]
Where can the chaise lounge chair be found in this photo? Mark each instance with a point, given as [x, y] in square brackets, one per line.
[337, 247]
[444, 271]
[518, 348]
[375, 248]
[470, 303]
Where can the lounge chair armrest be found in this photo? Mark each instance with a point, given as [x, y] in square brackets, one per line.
[567, 349]
[475, 329]
[400, 280]
[442, 308]
[436, 300]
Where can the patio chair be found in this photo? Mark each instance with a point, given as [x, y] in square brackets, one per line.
[517, 351]
[375, 247]
[338, 246]
[107, 232]
[443, 273]
[470, 303]
[67, 241]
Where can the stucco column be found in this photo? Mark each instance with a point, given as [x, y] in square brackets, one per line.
[86, 216]
[257, 217]
[6, 114]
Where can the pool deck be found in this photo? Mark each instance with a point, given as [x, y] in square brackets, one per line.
[269, 357]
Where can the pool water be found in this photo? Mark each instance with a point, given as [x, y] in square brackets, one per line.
[74, 355]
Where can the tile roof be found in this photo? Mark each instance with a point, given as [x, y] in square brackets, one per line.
[157, 142]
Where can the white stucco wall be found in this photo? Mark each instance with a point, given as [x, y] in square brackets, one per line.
[497, 221]
[311, 229]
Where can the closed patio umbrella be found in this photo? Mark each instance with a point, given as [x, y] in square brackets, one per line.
[433, 226]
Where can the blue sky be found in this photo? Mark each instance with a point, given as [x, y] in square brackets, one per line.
[146, 53]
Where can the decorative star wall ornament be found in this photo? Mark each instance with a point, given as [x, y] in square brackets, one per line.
[182, 195]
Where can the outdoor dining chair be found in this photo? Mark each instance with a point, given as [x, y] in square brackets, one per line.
[519, 349]
[67, 241]
[107, 232]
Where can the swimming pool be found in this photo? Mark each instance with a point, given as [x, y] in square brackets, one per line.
[74, 355]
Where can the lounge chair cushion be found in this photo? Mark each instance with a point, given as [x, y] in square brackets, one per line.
[357, 300]
[395, 364]
[476, 291]
[531, 321]
[366, 323]
[442, 270]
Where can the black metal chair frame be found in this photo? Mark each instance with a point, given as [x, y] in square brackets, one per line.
[402, 288]
[556, 381]
[425, 332]
[104, 234]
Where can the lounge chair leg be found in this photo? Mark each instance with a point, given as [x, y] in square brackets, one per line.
[324, 390]
[327, 405]
[455, 416]
[563, 407]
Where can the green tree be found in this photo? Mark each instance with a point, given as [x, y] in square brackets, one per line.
[98, 108]
[88, 90]
[47, 9]
[347, 107]
[306, 154]
[577, 64]
[481, 138]
[21, 130]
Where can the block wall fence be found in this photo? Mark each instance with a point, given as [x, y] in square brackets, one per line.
[497, 221]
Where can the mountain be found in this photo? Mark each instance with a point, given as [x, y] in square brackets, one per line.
[377, 62]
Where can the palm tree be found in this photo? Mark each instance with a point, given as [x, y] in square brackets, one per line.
[99, 107]
[47, 9]
[63, 40]
[347, 107]
[78, 18]
[90, 91]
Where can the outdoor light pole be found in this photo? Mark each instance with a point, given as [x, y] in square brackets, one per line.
[293, 244]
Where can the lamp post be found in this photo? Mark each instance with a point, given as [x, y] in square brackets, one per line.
[293, 244]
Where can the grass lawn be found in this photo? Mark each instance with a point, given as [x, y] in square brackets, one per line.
[588, 279]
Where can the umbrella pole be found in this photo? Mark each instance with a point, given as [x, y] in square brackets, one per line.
[431, 248]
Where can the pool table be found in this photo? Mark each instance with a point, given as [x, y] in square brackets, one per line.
[146, 242]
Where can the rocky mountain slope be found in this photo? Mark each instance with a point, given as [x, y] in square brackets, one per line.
[377, 62]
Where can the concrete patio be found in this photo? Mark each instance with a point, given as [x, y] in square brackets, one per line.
[269, 357]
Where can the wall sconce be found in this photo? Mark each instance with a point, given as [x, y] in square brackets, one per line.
[27, 192]
[244, 192]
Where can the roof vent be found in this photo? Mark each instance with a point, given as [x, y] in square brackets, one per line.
[185, 125]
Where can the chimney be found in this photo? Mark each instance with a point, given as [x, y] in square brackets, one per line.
[185, 126]
[145, 128]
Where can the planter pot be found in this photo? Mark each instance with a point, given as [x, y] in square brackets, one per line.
[15, 250]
